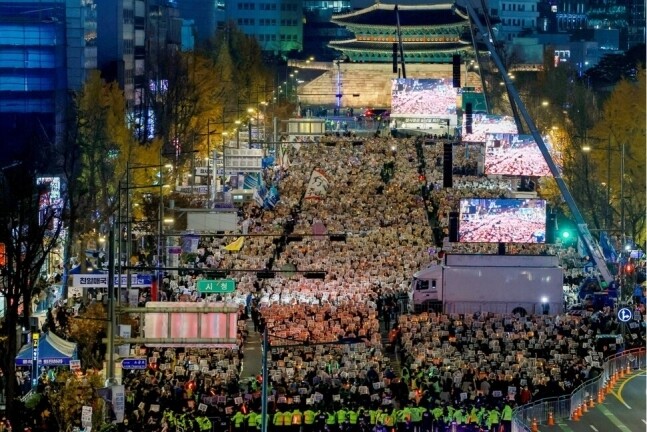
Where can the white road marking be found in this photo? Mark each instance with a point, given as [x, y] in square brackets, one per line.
[645, 421]
[593, 427]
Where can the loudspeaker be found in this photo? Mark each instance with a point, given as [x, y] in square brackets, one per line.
[447, 165]
[453, 227]
[456, 70]
[395, 57]
[469, 117]
[551, 228]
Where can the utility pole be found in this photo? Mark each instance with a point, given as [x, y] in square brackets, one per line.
[112, 324]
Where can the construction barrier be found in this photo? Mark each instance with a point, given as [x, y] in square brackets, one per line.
[566, 407]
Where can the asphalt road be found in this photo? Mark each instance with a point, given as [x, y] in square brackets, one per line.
[624, 409]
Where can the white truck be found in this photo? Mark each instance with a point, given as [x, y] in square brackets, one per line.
[465, 284]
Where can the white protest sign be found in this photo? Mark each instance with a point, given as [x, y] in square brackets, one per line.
[86, 416]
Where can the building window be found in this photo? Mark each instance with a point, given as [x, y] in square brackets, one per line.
[240, 6]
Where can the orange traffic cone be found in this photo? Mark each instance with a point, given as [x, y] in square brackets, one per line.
[551, 419]
[585, 409]
[591, 402]
[629, 369]
[600, 396]
[622, 372]
[576, 414]
[535, 426]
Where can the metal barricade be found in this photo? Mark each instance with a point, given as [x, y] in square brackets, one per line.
[564, 407]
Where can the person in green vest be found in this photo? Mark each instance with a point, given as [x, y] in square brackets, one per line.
[238, 420]
[458, 416]
[493, 418]
[353, 416]
[250, 420]
[287, 420]
[472, 416]
[204, 423]
[169, 416]
[437, 413]
[259, 421]
[506, 417]
[403, 418]
[389, 419]
[331, 420]
[342, 414]
[416, 416]
[297, 420]
[309, 417]
[374, 414]
[277, 420]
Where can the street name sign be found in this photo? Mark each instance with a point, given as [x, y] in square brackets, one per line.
[134, 363]
[216, 286]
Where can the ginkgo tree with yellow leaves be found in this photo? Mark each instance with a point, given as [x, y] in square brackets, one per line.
[99, 149]
[617, 153]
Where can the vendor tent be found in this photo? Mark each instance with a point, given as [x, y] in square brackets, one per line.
[52, 351]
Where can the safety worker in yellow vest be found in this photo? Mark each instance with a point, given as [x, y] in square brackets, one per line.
[416, 416]
[297, 420]
[353, 416]
[375, 413]
[250, 420]
[506, 417]
[389, 418]
[287, 420]
[493, 419]
[309, 417]
[331, 420]
[277, 420]
[259, 421]
[204, 423]
[238, 420]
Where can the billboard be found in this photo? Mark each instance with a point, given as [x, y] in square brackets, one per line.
[215, 324]
[482, 124]
[423, 97]
[514, 155]
[504, 220]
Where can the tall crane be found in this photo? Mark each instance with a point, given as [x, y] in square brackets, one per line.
[592, 248]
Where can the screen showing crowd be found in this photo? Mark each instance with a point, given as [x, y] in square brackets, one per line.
[502, 221]
[515, 155]
[483, 124]
[424, 97]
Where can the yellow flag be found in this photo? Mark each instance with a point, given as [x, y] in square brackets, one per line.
[236, 245]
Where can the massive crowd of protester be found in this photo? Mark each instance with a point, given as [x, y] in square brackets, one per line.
[345, 355]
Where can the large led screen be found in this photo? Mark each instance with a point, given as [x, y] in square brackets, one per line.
[423, 97]
[502, 221]
[515, 155]
[483, 124]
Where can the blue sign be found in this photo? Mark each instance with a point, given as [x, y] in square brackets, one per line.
[134, 363]
[625, 315]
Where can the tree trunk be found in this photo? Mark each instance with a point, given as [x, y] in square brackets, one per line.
[11, 321]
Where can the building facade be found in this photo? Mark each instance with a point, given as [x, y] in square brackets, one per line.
[46, 49]
[277, 25]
